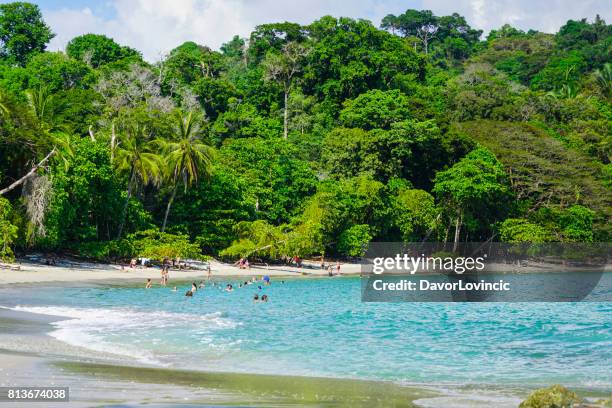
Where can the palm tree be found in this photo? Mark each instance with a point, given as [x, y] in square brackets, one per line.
[187, 156]
[50, 137]
[603, 77]
[4, 105]
[136, 156]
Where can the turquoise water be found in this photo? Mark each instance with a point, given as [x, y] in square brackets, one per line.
[320, 327]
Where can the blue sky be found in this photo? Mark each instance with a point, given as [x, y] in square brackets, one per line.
[156, 26]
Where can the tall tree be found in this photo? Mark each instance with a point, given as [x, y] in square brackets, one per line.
[283, 68]
[187, 156]
[135, 155]
[22, 31]
[97, 49]
[420, 23]
[471, 186]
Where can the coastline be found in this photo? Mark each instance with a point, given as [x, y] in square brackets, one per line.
[92, 273]
[98, 379]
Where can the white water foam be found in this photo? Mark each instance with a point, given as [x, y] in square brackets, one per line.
[89, 327]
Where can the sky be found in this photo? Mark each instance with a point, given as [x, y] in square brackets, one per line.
[154, 27]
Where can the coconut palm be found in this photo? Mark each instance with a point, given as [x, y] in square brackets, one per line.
[187, 157]
[136, 155]
[603, 77]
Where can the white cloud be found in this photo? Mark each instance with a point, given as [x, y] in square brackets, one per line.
[157, 26]
[541, 15]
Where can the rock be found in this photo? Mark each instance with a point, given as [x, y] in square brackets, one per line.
[555, 396]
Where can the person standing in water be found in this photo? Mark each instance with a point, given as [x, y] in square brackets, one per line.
[194, 287]
[149, 284]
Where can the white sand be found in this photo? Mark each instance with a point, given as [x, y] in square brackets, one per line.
[78, 272]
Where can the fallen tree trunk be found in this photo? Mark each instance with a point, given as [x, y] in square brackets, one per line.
[28, 174]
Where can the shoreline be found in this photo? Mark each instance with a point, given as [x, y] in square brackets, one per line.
[91, 273]
[30, 272]
[97, 379]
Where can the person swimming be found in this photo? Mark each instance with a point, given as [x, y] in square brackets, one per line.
[174, 289]
[189, 293]
[201, 285]
[264, 298]
[149, 284]
[229, 288]
[256, 298]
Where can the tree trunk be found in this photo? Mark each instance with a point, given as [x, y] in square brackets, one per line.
[127, 201]
[28, 174]
[112, 142]
[285, 116]
[163, 228]
[458, 222]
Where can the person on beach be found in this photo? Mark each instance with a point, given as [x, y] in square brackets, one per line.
[132, 263]
[209, 271]
[338, 268]
[330, 271]
[149, 284]
[246, 264]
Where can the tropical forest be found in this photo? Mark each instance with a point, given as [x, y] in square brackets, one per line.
[304, 140]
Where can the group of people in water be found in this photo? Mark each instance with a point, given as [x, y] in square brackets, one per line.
[243, 263]
[265, 280]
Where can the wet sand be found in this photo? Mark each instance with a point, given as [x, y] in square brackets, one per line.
[28, 357]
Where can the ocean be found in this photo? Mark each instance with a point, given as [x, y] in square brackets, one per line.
[319, 327]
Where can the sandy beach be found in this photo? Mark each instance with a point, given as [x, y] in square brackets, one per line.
[66, 271]
[99, 379]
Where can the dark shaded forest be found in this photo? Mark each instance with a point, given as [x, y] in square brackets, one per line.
[304, 140]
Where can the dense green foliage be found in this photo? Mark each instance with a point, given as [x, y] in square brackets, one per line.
[311, 140]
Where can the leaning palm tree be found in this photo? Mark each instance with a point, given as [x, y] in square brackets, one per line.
[136, 156]
[187, 156]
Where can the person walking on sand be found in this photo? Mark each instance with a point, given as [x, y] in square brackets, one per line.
[338, 268]
[209, 271]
